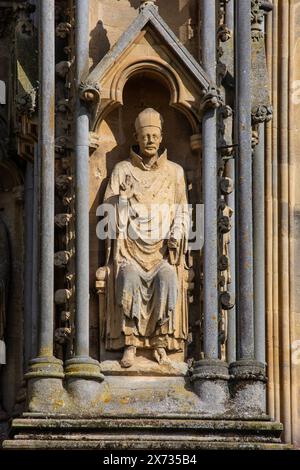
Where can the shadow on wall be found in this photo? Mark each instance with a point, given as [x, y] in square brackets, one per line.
[99, 43]
[181, 16]
[176, 13]
[135, 3]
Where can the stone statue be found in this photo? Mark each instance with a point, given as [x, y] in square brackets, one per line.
[146, 271]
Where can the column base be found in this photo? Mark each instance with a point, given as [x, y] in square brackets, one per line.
[45, 392]
[248, 387]
[210, 381]
[85, 384]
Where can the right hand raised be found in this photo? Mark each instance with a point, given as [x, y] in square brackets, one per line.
[126, 188]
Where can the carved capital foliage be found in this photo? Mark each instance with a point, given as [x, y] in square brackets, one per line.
[63, 30]
[257, 19]
[89, 93]
[258, 7]
[262, 113]
[26, 103]
[224, 33]
[211, 99]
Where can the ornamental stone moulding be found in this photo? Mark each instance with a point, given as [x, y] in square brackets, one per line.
[149, 47]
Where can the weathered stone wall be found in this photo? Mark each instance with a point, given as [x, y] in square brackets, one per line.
[294, 204]
[282, 218]
[110, 18]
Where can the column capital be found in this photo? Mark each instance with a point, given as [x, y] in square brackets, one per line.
[211, 99]
[89, 92]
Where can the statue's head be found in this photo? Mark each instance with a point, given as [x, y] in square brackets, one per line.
[148, 127]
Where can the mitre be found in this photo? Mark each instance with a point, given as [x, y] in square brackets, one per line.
[148, 117]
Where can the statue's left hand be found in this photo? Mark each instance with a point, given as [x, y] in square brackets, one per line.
[172, 243]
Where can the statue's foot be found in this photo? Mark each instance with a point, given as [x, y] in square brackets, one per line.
[161, 356]
[128, 356]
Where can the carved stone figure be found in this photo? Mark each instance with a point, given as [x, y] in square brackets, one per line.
[146, 301]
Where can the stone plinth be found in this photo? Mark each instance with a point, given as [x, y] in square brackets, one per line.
[143, 433]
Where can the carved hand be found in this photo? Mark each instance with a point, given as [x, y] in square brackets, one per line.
[126, 188]
[172, 243]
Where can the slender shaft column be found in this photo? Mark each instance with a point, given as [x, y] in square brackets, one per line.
[210, 163]
[82, 367]
[248, 375]
[82, 184]
[245, 348]
[259, 245]
[35, 256]
[210, 375]
[46, 154]
[45, 372]
[28, 278]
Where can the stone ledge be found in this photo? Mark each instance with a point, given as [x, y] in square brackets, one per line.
[139, 433]
[146, 422]
[145, 367]
[111, 444]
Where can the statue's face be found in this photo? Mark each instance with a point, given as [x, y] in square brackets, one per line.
[149, 139]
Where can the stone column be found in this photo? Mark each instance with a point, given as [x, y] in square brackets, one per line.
[28, 278]
[45, 372]
[230, 172]
[210, 375]
[82, 372]
[248, 376]
[259, 246]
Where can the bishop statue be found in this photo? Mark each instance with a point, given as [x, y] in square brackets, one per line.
[146, 269]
